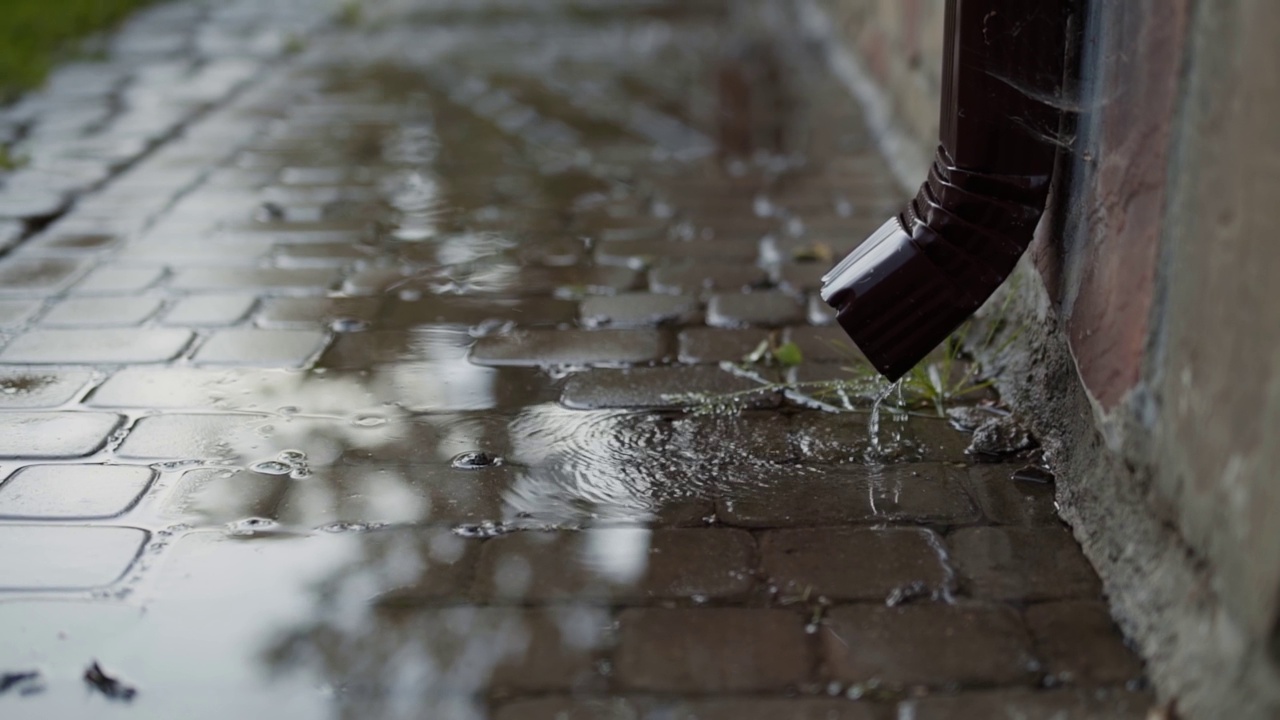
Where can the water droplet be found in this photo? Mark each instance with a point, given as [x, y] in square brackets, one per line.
[292, 456]
[272, 467]
[476, 460]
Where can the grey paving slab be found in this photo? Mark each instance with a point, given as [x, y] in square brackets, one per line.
[45, 557]
[61, 492]
[96, 346]
[55, 434]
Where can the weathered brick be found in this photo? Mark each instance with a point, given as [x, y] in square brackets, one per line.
[468, 311]
[245, 438]
[616, 564]
[1022, 564]
[118, 280]
[758, 309]
[658, 387]
[816, 496]
[712, 650]
[853, 563]
[358, 351]
[101, 312]
[268, 348]
[271, 281]
[37, 276]
[94, 346]
[46, 492]
[297, 313]
[210, 310]
[66, 558]
[1007, 501]
[1032, 705]
[706, 345]
[55, 434]
[633, 310]
[571, 347]
[26, 388]
[1079, 644]
[693, 277]
[933, 645]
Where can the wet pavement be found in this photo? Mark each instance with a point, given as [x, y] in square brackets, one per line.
[365, 364]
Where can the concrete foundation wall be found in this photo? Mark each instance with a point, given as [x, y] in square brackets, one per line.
[1149, 331]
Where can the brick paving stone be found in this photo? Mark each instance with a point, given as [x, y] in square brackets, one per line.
[55, 434]
[530, 280]
[935, 645]
[445, 310]
[30, 388]
[294, 255]
[1007, 501]
[26, 277]
[1080, 644]
[658, 387]
[56, 242]
[818, 312]
[798, 708]
[616, 564]
[852, 563]
[101, 311]
[569, 708]
[358, 351]
[15, 313]
[445, 565]
[96, 346]
[245, 437]
[1024, 564]
[824, 345]
[11, 231]
[274, 281]
[692, 278]
[571, 347]
[118, 280]
[638, 310]
[712, 650]
[645, 252]
[265, 348]
[931, 493]
[1032, 705]
[845, 438]
[211, 310]
[707, 345]
[66, 558]
[48, 492]
[374, 281]
[278, 313]
[763, 309]
[801, 278]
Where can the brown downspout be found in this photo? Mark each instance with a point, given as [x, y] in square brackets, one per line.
[906, 288]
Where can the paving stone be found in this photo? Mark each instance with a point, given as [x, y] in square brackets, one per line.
[470, 312]
[48, 492]
[645, 708]
[375, 281]
[762, 309]
[55, 434]
[211, 310]
[101, 312]
[616, 564]
[706, 345]
[96, 346]
[508, 650]
[15, 313]
[357, 351]
[638, 310]
[934, 645]
[575, 280]
[11, 231]
[571, 347]
[1032, 705]
[853, 563]
[43, 557]
[569, 708]
[658, 387]
[118, 280]
[1023, 564]
[266, 348]
[693, 278]
[712, 650]
[30, 204]
[1007, 501]
[818, 312]
[931, 493]
[27, 277]
[61, 242]
[644, 252]
[823, 437]
[825, 345]
[273, 281]
[1080, 644]
[311, 312]
[799, 278]
[444, 565]
[29, 388]
[246, 438]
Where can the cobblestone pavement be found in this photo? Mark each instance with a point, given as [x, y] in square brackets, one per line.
[342, 372]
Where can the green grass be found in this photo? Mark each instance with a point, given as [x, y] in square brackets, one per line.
[36, 33]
